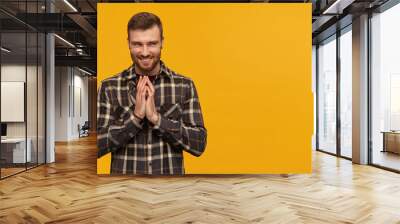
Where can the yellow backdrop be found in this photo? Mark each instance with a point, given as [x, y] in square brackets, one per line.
[251, 64]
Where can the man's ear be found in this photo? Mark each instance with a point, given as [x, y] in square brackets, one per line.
[162, 43]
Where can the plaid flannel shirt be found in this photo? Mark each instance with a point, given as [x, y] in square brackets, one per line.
[139, 147]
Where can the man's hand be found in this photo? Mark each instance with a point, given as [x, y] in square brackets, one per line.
[140, 107]
[151, 112]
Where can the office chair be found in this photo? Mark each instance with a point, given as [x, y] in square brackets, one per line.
[84, 130]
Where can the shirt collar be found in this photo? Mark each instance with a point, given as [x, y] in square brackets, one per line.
[164, 71]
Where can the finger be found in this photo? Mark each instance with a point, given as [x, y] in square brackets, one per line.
[151, 87]
[144, 81]
[150, 98]
[143, 92]
[148, 82]
[151, 91]
[139, 84]
[147, 92]
[143, 95]
[146, 89]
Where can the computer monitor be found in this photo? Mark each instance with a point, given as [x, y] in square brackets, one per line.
[3, 129]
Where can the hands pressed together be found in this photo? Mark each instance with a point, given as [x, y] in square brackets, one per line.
[145, 106]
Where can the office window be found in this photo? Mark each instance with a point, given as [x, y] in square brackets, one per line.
[346, 93]
[327, 95]
[385, 88]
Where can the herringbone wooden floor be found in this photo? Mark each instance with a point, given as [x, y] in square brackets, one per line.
[69, 191]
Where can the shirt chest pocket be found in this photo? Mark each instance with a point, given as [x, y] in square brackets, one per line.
[171, 111]
[122, 107]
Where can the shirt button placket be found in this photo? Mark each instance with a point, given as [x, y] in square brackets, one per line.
[149, 146]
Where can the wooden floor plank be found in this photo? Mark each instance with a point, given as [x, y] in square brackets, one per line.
[69, 191]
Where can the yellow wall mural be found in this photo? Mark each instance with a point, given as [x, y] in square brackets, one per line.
[251, 64]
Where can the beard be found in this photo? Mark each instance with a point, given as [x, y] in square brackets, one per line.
[145, 68]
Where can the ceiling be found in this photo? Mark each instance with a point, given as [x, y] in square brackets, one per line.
[332, 15]
[76, 22]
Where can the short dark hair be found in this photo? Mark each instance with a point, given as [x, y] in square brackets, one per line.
[144, 21]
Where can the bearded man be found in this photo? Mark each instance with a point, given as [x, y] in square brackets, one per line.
[147, 115]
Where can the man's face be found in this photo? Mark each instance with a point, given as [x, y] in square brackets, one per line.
[145, 47]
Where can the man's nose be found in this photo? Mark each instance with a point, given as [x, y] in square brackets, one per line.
[145, 51]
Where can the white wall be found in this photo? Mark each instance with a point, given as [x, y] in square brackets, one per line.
[16, 72]
[70, 84]
[61, 103]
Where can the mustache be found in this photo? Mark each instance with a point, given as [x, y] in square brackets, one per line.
[141, 56]
[145, 57]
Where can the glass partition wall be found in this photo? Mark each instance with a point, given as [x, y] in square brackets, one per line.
[334, 104]
[345, 62]
[22, 77]
[327, 95]
[385, 89]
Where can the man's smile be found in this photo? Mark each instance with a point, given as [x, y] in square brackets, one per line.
[145, 61]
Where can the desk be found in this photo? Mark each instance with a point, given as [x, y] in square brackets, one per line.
[13, 150]
[391, 141]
